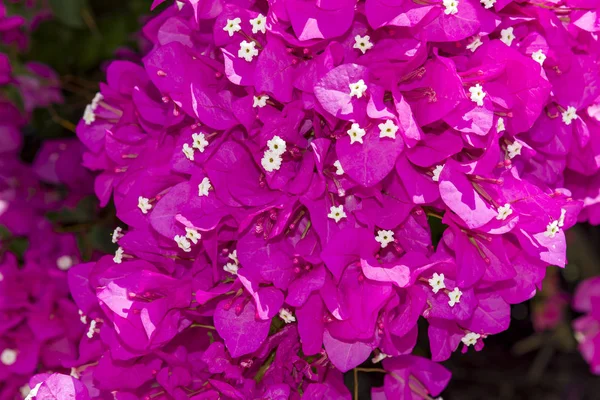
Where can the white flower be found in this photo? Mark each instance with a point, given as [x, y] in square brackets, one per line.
[91, 329]
[200, 141]
[64, 263]
[276, 145]
[362, 43]
[96, 101]
[260, 101]
[388, 129]
[503, 212]
[183, 243]
[488, 4]
[188, 151]
[514, 149]
[507, 36]
[233, 256]
[384, 238]
[436, 173]
[117, 234]
[8, 357]
[477, 94]
[500, 125]
[180, 4]
[232, 26]
[231, 268]
[356, 133]
[271, 161]
[338, 167]
[552, 229]
[358, 89]
[539, 57]
[204, 187]
[258, 24]
[454, 297]
[247, 50]
[561, 219]
[337, 213]
[193, 235]
[475, 43]
[286, 316]
[437, 282]
[569, 115]
[144, 204]
[89, 116]
[451, 7]
[470, 339]
[118, 258]
[33, 392]
[379, 357]
[82, 317]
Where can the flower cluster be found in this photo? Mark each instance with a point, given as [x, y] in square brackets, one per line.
[587, 327]
[279, 166]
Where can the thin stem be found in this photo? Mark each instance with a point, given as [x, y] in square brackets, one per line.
[194, 325]
[355, 384]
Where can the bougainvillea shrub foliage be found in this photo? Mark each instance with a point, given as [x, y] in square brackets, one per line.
[304, 185]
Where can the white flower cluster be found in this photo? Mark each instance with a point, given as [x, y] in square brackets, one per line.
[271, 160]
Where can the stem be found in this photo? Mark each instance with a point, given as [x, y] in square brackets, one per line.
[355, 384]
[194, 325]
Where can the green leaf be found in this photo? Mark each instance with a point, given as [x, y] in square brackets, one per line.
[69, 12]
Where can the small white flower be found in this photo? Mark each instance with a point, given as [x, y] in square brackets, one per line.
[362, 43]
[388, 129]
[286, 316]
[384, 238]
[356, 133]
[488, 4]
[277, 145]
[247, 50]
[259, 24]
[180, 4]
[233, 256]
[193, 235]
[358, 89]
[96, 101]
[89, 116]
[379, 357]
[503, 212]
[500, 125]
[338, 167]
[82, 317]
[539, 57]
[144, 204]
[117, 234]
[475, 43]
[470, 339]
[8, 357]
[118, 258]
[337, 213]
[200, 141]
[561, 219]
[569, 115]
[232, 26]
[92, 329]
[477, 94]
[183, 243]
[437, 282]
[64, 263]
[552, 229]
[188, 151]
[33, 392]
[507, 36]
[231, 268]
[454, 297]
[260, 101]
[436, 173]
[271, 161]
[451, 7]
[204, 187]
[514, 149]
